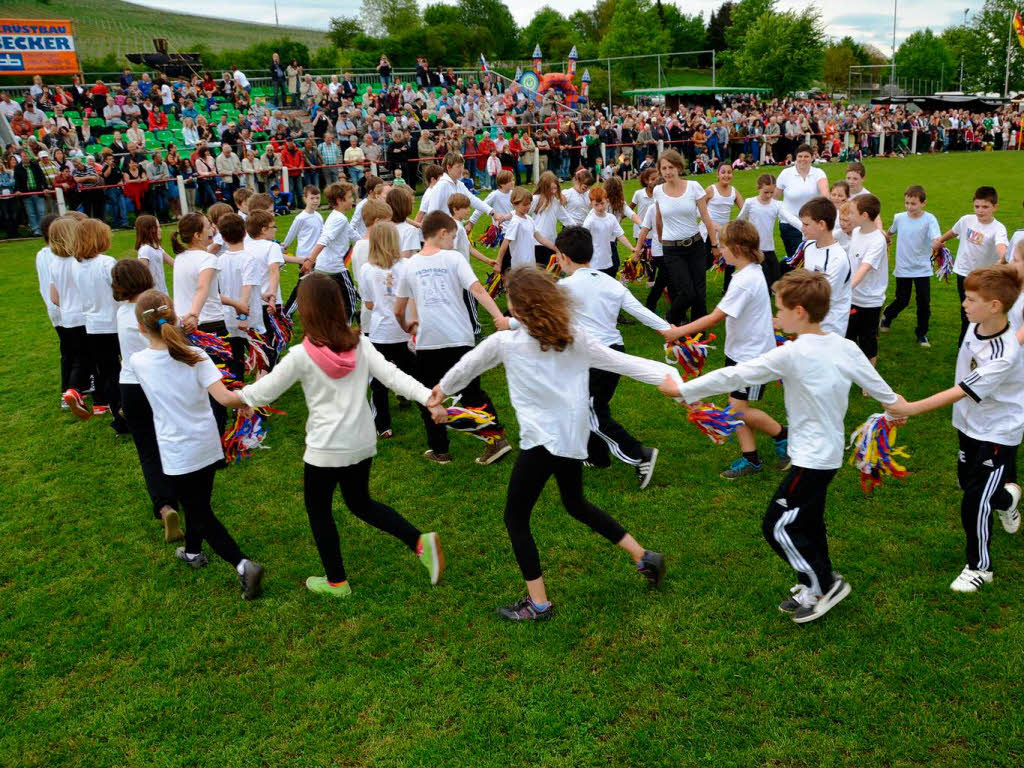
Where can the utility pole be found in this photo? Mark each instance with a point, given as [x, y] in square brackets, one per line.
[962, 55]
[1009, 41]
[894, 3]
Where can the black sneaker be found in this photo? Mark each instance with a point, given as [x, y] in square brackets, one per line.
[884, 326]
[837, 592]
[525, 610]
[192, 561]
[923, 341]
[652, 568]
[645, 469]
[800, 597]
[251, 579]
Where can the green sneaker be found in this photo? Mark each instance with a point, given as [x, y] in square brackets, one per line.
[782, 454]
[741, 468]
[320, 585]
[431, 556]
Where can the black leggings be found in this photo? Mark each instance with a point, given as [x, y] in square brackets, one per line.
[140, 421]
[194, 491]
[106, 356]
[660, 284]
[529, 476]
[687, 281]
[399, 354]
[75, 361]
[318, 488]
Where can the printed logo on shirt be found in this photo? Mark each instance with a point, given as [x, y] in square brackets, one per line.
[961, 457]
[975, 237]
[974, 363]
[987, 463]
[782, 502]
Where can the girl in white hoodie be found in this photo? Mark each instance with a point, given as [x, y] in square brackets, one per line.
[334, 364]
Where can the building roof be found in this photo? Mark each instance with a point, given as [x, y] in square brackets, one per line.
[694, 90]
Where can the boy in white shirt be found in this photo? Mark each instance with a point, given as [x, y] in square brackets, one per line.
[597, 301]
[869, 260]
[376, 189]
[914, 229]
[855, 173]
[262, 228]
[988, 414]
[400, 201]
[238, 282]
[604, 230]
[304, 232]
[823, 254]
[746, 309]
[517, 250]
[983, 242]
[500, 199]
[1015, 239]
[434, 278]
[763, 211]
[329, 253]
[816, 370]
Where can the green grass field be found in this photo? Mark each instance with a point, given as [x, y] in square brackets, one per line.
[105, 26]
[112, 654]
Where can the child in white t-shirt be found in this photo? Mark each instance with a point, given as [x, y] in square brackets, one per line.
[915, 229]
[659, 283]
[400, 201]
[238, 280]
[435, 278]
[44, 260]
[261, 227]
[372, 212]
[500, 199]
[823, 254]
[746, 309]
[577, 197]
[869, 260]
[178, 381]
[329, 253]
[304, 232]
[147, 244]
[839, 194]
[764, 211]
[518, 247]
[983, 242]
[605, 229]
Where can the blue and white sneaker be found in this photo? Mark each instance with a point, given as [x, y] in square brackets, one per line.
[741, 468]
[782, 453]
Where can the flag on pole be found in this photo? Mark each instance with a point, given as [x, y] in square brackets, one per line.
[1018, 27]
[483, 63]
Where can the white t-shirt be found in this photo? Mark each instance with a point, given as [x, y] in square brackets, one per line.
[833, 261]
[763, 216]
[241, 79]
[597, 300]
[873, 250]
[64, 277]
[988, 371]
[914, 243]
[98, 305]
[577, 205]
[679, 214]
[500, 202]
[378, 287]
[166, 95]
[185, 428]
[409, 238]
[603, 230]
[816, 372]
[44, 259]
[358, 226]
[652, 232]
[154, 258]
[978, 243]
[336, 237]
[360, 255]
[462, 241]
[748, 315]
[267, 252]
[237, 270]
[546, 221]
[1015, 240]
[1016, 314]
[642, 202]
[863, 191]
[436, 284]
[797, 190]
[187, 268]
[129, 339]
[519, 233]
[305, 231]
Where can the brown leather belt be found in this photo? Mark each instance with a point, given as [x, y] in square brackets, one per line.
[681, 243]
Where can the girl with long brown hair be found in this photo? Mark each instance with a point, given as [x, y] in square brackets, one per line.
[178, 381]
[547, 363]
[547, 210]
[334, 364]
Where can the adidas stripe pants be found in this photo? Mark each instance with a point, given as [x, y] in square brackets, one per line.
[794, 525]
[606, 434]
[982, 469]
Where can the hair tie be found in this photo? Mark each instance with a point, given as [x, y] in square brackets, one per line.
[161, 321]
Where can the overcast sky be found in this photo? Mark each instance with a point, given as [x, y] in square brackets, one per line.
[865, 20]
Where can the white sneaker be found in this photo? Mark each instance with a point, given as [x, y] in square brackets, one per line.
[802, 597]
[970, 580]
[836, 593]
[1010, 518]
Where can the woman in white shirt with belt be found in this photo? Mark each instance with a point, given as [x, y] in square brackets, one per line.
[795, 186]
[722, 198]
[678, 205]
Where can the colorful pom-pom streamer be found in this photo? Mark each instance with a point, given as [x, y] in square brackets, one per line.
[690, 354]
[875, 452]
[256, 358]
[646, 254]
[632, 271]
[493, 236]
[246, 434]
[796, 261]
[216, 347]
[281, 328]
[552, 266]
[478, 422]
[719, 264]
[943, 261]
[781, 338]
[494, 285]
[719, 424]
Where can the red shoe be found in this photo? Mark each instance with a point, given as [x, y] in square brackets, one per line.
[76, 403]
[101, 410]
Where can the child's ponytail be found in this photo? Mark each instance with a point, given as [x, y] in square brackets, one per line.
[155, 312]
[189, 226]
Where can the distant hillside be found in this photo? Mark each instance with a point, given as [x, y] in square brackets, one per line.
[103, 26]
